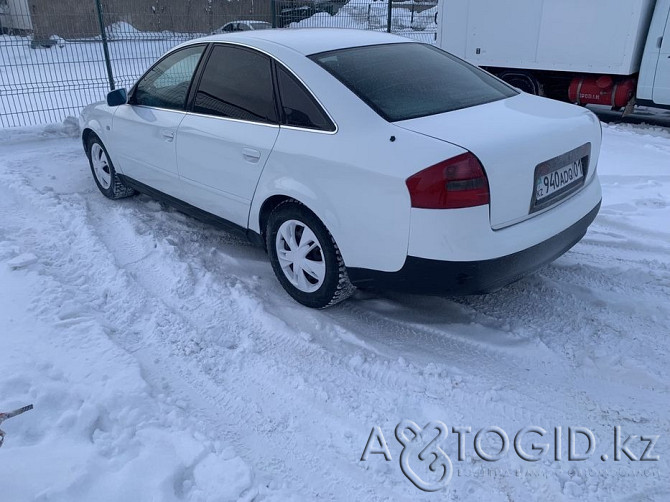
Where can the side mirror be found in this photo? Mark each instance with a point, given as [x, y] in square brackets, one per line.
[117, 97]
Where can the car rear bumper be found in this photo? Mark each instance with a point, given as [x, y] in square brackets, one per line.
[426, 276]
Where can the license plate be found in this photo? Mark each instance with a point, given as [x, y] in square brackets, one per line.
[558, 178]
[561, 179]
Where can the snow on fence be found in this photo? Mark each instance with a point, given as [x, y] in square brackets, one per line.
[56, 57]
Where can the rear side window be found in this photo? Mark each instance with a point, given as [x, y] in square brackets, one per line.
[237, 83]
[299, 108]
[408, 80]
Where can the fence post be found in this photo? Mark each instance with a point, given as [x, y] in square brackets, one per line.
[388, 17]
[105, 47]
[273, 12]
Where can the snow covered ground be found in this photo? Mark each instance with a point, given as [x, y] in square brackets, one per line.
[165, 362]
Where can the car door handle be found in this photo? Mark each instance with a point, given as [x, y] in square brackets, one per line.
[167, 134]
[251, 155]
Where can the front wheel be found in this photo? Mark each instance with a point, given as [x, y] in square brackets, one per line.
[305, 258]
[104, 173]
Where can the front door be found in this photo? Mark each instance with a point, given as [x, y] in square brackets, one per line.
[146, 127]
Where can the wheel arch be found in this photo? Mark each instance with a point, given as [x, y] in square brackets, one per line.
[267, 207]
[93, 128]
[85, 136]
[272, 202]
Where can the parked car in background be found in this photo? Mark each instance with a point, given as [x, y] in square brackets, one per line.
[234, 26]
[294, 11]
[355, 158]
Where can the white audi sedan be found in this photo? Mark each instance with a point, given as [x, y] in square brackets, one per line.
[355, 158]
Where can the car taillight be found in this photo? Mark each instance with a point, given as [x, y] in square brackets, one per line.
[453, 183]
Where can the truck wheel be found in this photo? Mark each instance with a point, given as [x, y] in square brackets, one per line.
[524, 81]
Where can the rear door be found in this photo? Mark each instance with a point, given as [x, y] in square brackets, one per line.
[144, 129]
[661, 92]
[224, 142]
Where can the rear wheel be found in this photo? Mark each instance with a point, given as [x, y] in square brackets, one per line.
[305, 258]
[103, 171]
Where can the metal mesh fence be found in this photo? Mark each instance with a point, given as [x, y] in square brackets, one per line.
[58, 56]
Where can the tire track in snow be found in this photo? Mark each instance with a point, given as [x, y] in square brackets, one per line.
[281, 347]
[414, 330]
[92, 277]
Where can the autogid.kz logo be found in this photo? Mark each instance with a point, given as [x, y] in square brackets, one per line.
[425, 463]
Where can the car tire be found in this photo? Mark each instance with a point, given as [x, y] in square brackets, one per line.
[305, 257]
[104, 174]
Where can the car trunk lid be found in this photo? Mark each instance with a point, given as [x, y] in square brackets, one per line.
[515, 139]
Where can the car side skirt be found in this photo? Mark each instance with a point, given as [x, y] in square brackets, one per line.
[204, 216]
[437, 277]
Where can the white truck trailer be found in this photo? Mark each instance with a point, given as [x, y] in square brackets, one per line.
[607, 52]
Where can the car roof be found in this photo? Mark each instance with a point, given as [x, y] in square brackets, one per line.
[306, 40]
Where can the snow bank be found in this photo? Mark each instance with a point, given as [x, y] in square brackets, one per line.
[69, 128]
[98, 431]
[373, 15]
[122, 29]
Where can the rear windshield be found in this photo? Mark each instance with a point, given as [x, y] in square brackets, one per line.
[408, 80]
